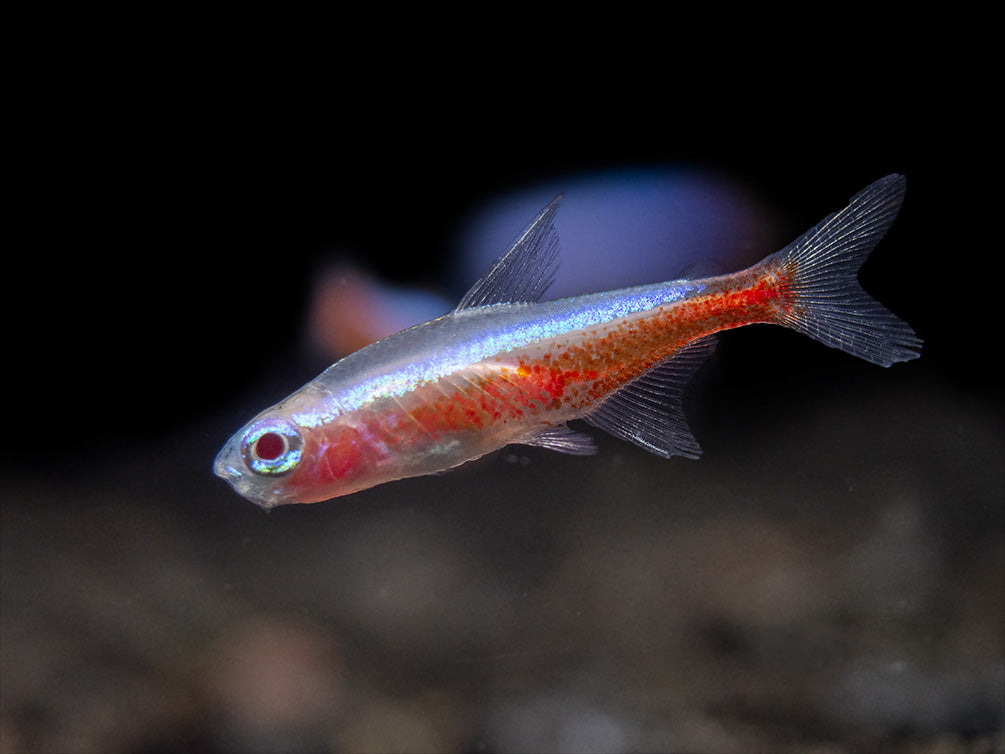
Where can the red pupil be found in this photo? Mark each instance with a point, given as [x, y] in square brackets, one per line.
[270, 446]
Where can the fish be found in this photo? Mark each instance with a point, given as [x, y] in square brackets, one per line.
[505, 367]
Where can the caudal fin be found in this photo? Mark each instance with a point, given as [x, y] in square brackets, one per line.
[825, 300]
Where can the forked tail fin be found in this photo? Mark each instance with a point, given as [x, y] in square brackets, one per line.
[824, 299]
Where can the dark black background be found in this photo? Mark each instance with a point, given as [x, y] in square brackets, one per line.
[176, 213]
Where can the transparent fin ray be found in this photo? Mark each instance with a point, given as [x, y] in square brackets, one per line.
[525, 271]
[562, 439]
[649, 411]
[828, 303]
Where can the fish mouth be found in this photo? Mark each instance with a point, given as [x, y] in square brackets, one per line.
[224, 469]
[225, 464]
[229, 466]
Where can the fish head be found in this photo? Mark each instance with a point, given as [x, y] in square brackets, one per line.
[289, 454]
[261, 459]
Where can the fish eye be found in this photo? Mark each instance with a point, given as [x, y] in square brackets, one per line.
[271, 447]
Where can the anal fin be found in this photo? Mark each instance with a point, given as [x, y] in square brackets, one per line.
[649, 411]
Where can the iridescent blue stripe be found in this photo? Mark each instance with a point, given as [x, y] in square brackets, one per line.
[423, 354]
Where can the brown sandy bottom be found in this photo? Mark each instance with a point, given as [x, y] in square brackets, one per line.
[830, 579]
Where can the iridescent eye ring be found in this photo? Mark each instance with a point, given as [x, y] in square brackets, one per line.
[272, 447]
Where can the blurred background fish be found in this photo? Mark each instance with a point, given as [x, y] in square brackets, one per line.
[620, 227]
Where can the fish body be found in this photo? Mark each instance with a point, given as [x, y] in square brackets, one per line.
[504, 367]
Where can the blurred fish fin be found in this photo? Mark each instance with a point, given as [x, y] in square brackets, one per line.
[688, 272]
[562, 439]
[525, 271]
[649, 411]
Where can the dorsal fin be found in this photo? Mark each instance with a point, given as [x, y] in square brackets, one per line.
[649, 411]
[526, 270]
